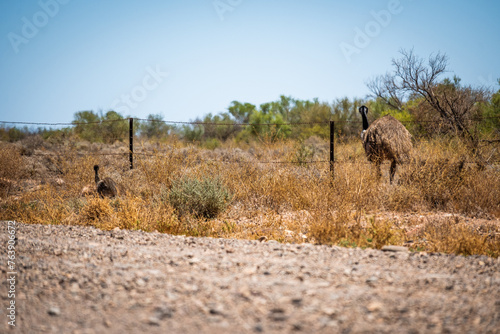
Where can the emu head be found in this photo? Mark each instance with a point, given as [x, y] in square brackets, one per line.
[363, 110]
[96, 168]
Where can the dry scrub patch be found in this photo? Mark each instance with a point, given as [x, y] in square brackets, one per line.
[440, 202]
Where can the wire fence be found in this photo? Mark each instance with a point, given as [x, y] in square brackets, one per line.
[131, 153]
[338, 121]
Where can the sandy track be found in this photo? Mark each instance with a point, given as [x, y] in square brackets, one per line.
[83, 280]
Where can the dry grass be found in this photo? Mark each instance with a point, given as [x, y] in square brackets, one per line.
[284, 202]
[11, 168]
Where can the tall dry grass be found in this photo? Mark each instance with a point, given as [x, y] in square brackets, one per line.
[12, 168]
[288, 202]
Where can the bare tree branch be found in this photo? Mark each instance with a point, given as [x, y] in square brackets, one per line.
[412, 77]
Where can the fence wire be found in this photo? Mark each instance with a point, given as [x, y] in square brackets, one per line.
[293, 162]
[235, 124]
[476, 119]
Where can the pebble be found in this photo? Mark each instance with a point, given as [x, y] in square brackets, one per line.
[54, 311]
[394, 249]
[374, 306]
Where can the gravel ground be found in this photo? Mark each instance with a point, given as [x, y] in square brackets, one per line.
[73, 279]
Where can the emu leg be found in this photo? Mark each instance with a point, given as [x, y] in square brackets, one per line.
[392, 171]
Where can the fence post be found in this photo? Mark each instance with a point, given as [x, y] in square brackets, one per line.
[131, 141]
[332, 150]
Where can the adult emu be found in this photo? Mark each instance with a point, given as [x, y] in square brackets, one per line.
[385, 139]
[105, 187]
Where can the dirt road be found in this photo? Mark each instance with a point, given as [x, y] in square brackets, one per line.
[73, 279]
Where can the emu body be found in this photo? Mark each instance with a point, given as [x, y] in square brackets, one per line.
[385, 139]
[105, 187]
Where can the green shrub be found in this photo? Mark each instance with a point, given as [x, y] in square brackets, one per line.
[200, 198]
[304, 153]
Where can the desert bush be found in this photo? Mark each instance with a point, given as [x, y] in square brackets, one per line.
[330, 228]
[206, 198]
[212, 144]
[95, 211]
[345, 229]
[441, 178]
[304, 153]
[435, 183]
[30, 144]
[456, 236]
[161, 169]
[12, 168]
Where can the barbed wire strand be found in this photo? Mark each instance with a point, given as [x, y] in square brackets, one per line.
[477, 119]
[246, 162]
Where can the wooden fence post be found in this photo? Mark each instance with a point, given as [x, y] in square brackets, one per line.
[131, 141]
[332, 150]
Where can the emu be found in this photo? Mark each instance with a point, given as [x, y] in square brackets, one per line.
[105, 187]
[385, 139]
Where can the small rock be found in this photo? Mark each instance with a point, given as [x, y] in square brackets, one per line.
[154, 321]
[277, 314]
[402, 309]
[59, 182]
[162, 312]
[258, 328]
[54, 311]
[374, 306]
[217, 310]
[75, 287]
[372, 280]
[391, 248]
[330, 313]
[140, 282]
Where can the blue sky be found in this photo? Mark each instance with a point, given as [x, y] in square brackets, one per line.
[187, 58]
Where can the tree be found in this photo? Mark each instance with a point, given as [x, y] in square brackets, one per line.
[491, 117]
[155, 127]
[100, 128]
[317, 114]
[454, 104]
[114, 127]
[87, 125]
[345, 113]
[268, 127]
[241, 111]
[219, 127]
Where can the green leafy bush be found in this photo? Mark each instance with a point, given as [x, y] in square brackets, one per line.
[200, 198]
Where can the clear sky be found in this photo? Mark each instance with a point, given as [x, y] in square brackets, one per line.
[186, 58]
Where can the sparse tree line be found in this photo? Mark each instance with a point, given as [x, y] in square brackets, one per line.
[414, 92]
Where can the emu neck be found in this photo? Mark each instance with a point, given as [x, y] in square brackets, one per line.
[365, 121]
[97, 177]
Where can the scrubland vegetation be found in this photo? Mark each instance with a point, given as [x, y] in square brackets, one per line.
[236, 177]
[438, 203]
